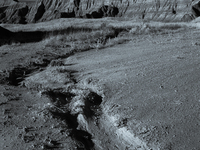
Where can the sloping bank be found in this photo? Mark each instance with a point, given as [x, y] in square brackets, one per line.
[140, 95]
[81, 104]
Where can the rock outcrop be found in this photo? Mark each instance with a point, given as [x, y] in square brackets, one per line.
[40, 12]
[15, 12]
[159, 10]
[196, 9]
[7, 2]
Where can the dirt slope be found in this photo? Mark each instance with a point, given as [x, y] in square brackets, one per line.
[151, 90]
[140, 95]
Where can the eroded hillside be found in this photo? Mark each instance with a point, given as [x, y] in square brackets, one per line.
[43, 10]
[98, 88]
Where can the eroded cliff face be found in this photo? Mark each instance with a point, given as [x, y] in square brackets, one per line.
[13, 12]
[7, 2]
[43, 10]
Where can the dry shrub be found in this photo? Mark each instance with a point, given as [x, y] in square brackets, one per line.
[81, 40]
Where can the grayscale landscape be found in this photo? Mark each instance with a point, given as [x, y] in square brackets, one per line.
[99, 75]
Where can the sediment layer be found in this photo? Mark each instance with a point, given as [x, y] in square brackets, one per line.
[43, 10]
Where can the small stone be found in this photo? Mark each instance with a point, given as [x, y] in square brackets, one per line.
[162, 87]
[34, 119]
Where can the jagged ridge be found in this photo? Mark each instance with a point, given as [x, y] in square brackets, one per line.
[43, 10]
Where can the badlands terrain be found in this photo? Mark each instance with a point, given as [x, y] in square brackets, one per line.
[96, 75]
[118, 85]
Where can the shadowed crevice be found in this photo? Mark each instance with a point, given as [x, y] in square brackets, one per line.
[92, 105]
[82, 137]
[8, 37]
[61, 110]
[59, 98]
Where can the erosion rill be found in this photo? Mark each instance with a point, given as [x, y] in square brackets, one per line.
[42, 10]
[75, 104]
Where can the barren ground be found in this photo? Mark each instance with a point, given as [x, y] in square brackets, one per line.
[141, 94]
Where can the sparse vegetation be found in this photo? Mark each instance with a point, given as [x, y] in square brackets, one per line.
[62, 91]
[86, 39]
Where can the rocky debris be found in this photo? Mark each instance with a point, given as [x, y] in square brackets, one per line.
[77, 108]
[8, 37]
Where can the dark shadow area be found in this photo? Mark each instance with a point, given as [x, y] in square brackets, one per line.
[4, 103]
[28, 138]
[82, 137]
[52, 145]
[92, 102]
[67, 15]
[196, 9]
[71, 75]
[58, 98]
[18, 74]
[92, 107]
[104, 11]
[40, 12]
[5, 33]
[8, 37]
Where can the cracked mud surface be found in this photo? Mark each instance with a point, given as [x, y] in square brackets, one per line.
[135, 96]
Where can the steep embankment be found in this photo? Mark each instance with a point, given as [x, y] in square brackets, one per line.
[42, 10]
[151, 94]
